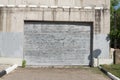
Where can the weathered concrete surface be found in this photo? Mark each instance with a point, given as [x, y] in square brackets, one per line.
[3, 67]
[12, 20]
[100, 18]
[11, 45]
[117, 56]
[11, 61]
[101, 48]
[47, 43]
[1, 22]
[106, 3]
[55, 74]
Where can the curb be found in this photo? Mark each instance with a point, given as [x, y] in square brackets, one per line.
[113, 77]
[8, 70]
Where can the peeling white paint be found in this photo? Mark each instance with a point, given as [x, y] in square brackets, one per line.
[33, 6]
[2, 5]
[76, 7]
[44, 6]
[10, 6]
[22, 6]
[53, 6]
[88, 7]
[8, 70]
[99, 8]
[65, 6]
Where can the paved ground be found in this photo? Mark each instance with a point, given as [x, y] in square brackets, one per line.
[55, 74]
[2, 67]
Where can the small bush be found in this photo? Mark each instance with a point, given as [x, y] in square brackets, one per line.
[23, 63]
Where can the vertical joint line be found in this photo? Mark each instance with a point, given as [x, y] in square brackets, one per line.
[69, 13]
[54, 13]
[43, 14]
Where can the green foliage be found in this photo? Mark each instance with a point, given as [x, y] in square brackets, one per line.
[115, 34]
[23, 63]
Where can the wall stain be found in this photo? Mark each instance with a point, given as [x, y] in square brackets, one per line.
[54, 14]
[43, 15]
[1, 20]
[56, 2]
[69, 13]
[81, 2]
[97, 21]
[8, 20]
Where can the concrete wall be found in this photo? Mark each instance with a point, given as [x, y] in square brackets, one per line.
[9, 16]
[106, 3]
[11, 44]
[117, 57]
[12, 21]
[101, 46]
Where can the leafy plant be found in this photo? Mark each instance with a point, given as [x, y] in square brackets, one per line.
[23, 63]
[115, 34]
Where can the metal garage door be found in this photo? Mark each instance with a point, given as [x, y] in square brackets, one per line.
[56, 43]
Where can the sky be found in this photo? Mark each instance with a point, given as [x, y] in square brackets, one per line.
[118, 6]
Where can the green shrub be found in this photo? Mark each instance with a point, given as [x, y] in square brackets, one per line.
[23, 63]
